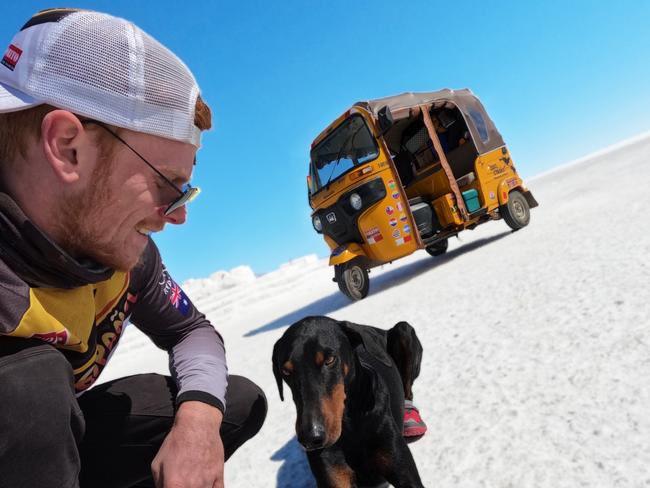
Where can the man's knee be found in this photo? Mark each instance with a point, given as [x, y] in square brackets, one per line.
[38, 413]
[37, 383]
[245, 412]
[250, 402]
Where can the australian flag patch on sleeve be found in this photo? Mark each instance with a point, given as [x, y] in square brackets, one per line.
[179, 299]
[175, 294]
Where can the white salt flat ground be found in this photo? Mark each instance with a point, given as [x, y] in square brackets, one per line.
[536, 370]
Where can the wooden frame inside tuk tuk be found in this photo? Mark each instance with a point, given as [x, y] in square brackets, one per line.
[483, 132]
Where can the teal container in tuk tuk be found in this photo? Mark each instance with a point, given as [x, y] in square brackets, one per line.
[471, 200]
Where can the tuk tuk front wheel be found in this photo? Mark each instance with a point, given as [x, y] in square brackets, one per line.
[516, 212]
[352, 279]
[438, 248]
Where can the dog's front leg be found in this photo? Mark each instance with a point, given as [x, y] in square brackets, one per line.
[330, 469]
[397, 465]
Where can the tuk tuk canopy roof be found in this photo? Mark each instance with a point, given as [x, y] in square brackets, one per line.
[484, 133]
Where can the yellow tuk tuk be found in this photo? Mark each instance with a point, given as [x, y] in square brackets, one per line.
[407, 172]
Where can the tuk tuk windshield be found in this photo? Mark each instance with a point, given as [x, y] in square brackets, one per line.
[350, 145]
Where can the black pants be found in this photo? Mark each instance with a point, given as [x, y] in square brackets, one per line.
[111, 433]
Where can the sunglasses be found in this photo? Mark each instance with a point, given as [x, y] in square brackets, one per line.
[185, 194]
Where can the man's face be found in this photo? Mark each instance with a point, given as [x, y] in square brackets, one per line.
[110, 219]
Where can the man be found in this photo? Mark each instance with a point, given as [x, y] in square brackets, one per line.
[99, 126]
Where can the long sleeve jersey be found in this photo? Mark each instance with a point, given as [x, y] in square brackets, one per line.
[85, 322]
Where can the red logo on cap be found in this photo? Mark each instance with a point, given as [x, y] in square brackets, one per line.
[11, 57]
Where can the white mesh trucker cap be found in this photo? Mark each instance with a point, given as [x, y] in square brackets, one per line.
[102, 67]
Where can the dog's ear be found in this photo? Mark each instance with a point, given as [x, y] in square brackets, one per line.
[352, 331]
[373, 339]
[276, 367]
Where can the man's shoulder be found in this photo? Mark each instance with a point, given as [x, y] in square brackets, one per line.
[10, 282]
[14, 298]
[149, 265]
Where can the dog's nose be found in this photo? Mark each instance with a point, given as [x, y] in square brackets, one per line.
[314, 438]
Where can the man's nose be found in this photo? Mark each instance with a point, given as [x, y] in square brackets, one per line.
[177, 217]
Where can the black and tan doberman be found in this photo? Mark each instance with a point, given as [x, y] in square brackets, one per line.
[349, 382]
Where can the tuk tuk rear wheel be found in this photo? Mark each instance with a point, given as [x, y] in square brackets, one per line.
[438, 248]
[352, 279]
[516, 212]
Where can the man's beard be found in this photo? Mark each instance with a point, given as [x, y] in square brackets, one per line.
[82, 234]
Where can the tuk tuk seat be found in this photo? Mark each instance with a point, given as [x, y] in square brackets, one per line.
[404, 169]
[462, 159]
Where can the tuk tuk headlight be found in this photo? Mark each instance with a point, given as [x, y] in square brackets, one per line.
[355, 201]
[318, 225]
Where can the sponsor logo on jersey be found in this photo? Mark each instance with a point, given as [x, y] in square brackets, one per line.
[60, 337]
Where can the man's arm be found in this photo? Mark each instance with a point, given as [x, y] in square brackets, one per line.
[192, 452]
[197, 358]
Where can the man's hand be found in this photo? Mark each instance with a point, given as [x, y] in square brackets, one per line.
[192, 454]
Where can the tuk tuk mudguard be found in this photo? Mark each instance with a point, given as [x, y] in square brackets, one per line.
[532, 203]
[505, 189]
[345, 253]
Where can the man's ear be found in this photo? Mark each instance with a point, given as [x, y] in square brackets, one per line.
[62, 136]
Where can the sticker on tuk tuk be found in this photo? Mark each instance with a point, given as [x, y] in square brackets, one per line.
[403, 240]
[393, 222]
[373, 235]
[406, 229]
[396, 195]
[492, 195]
[391, 184]
[399, 206]
[403, 217]
[390, 210]
[496, 169]
[511, 182]
[396, 233]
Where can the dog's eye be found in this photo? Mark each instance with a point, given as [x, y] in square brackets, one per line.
[330, 360]
[286, 372]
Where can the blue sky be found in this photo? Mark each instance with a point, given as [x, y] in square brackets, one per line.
[560, 79]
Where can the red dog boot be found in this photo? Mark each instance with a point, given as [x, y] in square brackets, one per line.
[414, 426]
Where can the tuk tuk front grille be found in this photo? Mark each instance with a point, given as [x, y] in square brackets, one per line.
[340, 220]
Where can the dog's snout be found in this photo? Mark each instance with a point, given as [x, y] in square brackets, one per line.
[313, 437]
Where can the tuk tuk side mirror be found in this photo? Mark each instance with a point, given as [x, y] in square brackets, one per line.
[385, 119]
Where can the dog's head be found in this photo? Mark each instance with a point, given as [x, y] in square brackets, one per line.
[315, 358]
